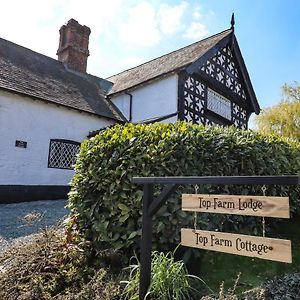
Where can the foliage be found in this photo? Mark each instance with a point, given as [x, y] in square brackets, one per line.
[284, 118]
[169, 280]
[231, 293]
[284, 287]
[292, 92]
[106, 206]
[46, 267]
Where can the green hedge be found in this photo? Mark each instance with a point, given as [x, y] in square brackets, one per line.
[107, 206]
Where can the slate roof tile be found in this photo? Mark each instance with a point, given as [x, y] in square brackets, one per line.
[25, 71]
[165, 64]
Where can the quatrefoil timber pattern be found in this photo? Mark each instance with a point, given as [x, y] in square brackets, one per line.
[203, 105]
[222, 68]
[195, 94]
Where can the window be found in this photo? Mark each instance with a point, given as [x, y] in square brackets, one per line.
[62, 154]
[219, 104]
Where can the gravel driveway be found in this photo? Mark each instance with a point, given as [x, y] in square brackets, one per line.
[14, 227]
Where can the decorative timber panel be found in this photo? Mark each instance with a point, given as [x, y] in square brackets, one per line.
[194, 94]
[239, 116]
[222, 68]
[203, 105]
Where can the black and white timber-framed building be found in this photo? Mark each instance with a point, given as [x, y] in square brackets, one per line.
[213, 85]
[48, 107]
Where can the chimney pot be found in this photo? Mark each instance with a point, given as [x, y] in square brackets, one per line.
[73, 45]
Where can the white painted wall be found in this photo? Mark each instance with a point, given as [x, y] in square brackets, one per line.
[36, 122]
[154, 99]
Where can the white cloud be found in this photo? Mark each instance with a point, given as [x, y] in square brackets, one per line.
[120, 30]
[35, 24]
[170, 17]
[196, 31]
[132, 61]
[197, 13]
[141, 27]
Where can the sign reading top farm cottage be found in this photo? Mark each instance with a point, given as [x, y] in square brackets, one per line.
[252, 246]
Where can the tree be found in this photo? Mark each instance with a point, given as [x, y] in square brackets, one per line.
[284, 118]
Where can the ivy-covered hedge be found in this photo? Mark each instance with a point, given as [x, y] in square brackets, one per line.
[107, 206]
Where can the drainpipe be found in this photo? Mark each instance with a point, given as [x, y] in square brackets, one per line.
[130, 106]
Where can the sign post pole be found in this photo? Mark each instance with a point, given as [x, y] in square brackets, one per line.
[146, 243]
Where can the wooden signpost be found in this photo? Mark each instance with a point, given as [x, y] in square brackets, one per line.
[252, 246]
[266, 248]
[261, 206]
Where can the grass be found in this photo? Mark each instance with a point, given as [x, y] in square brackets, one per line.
[169, 280]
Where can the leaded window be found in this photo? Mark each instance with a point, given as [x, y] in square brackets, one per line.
[218, 104]
[62, 154]
[203, 105]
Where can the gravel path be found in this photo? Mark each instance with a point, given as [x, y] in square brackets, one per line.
[13, 226]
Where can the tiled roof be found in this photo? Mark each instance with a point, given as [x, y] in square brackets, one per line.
[165, 64]
[33, 74]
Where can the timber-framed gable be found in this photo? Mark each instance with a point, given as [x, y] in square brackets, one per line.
[216, 88]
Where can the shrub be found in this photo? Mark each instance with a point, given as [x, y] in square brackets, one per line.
[106, 206]
[283, 287]
[46, 267]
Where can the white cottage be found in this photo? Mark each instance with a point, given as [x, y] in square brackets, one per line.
[48, 107]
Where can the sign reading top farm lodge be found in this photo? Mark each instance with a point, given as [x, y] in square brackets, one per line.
[252, 246]
[262, 206]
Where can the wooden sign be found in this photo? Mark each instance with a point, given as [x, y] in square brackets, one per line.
[252, 246]
[263, 206]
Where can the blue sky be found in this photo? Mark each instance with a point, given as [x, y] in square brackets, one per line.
[127, 33]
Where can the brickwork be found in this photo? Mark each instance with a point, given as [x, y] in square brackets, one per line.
[73, 45]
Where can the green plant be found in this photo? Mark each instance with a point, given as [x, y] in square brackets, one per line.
[47, 267]
[169, 280]
[283, 118]
[232, 294]
[286, 286]
[106, 206]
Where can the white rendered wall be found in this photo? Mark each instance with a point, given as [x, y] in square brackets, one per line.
[36, 122]
[153, 100]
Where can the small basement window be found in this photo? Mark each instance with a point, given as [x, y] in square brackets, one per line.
[62, 154]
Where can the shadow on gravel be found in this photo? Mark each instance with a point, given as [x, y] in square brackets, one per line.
[13, 225]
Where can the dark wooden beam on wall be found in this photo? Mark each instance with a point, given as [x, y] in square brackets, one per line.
[182, 76]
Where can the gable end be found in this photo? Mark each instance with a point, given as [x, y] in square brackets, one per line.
[216, 88]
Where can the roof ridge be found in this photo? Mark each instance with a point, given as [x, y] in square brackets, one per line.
[28, 49]
[156, 58]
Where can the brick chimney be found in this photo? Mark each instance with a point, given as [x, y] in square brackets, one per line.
[73, 45]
